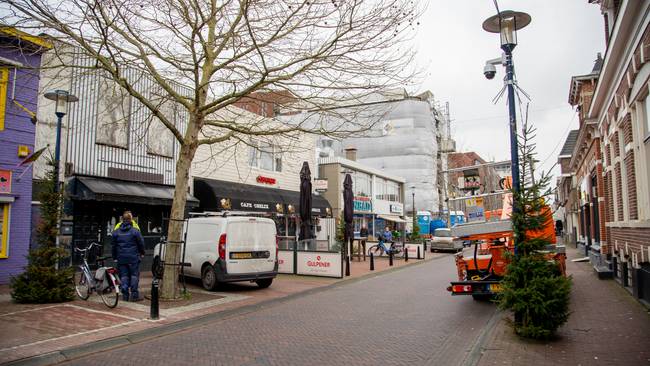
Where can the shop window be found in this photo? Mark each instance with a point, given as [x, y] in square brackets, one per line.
[4, 81]
[265, 156]
[4, 229]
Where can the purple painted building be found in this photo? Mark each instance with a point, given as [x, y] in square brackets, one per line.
[20, 58]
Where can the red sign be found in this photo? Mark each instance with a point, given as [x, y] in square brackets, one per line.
[5, 181]
[265, 180]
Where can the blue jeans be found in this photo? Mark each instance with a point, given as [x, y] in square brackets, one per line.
[129, 278]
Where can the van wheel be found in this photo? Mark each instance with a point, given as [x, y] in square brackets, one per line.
[209, 278]
[264, 283]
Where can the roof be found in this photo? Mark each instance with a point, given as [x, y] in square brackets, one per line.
[359, 167]
[576, 81]
[39, 43]
[569, 144]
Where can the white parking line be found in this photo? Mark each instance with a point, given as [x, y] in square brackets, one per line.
[28, 310]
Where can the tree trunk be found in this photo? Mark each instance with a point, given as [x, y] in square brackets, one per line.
[173, 248]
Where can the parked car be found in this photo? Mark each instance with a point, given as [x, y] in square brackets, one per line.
[443, 240]
[229, 249]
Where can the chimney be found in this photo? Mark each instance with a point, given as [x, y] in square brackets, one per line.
[351, 153]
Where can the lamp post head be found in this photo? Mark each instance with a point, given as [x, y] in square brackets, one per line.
[507, 23]
[61, 98]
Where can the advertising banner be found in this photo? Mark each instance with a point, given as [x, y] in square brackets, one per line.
[474, 209]
[320, 264]
[285, 261]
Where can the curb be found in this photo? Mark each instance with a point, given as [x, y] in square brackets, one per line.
[75, 352]
[476, 351]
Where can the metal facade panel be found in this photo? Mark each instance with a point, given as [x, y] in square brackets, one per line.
[94, 159]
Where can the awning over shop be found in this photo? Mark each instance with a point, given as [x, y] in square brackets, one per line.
[216, 195]
[392, 218]
[104, 189]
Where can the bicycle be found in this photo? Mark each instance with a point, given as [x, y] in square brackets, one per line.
[379, 249]
[107, 285]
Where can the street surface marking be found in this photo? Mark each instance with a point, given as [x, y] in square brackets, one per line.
[28, 310]
[70, 335]
[101, 312]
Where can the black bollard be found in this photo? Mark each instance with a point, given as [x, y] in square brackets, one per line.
[347, 265]
[372, 262]
[406, 254]
[390, 258]
[419, 252]
[154, 309]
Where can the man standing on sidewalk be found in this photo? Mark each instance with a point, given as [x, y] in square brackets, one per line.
[128, 249]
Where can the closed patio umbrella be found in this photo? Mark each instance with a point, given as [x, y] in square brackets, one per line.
[305, 202]
[348, 216]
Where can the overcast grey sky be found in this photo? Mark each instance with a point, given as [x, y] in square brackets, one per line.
[561, 41]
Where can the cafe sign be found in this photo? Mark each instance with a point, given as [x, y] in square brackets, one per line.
[5, 181]
[362, 204]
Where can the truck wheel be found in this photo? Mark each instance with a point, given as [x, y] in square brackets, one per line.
[209, 278]
[264, 283]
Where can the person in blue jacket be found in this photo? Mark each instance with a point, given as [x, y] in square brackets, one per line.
[128, 249]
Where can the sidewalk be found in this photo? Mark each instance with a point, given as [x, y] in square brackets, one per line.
[34, 330]
[607, 327]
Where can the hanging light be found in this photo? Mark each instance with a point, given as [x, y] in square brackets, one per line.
[61, 98]
[507, 23]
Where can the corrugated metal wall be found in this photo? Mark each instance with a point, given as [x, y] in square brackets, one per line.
[91, 158]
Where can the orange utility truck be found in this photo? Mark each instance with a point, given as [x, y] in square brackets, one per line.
[480, 274]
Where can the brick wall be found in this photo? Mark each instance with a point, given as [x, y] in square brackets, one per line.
[631, 186]
[637, 239]
[488, 175]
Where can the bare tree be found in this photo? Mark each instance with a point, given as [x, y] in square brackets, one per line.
[322, 53]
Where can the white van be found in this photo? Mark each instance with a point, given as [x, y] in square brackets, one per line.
[229, 249]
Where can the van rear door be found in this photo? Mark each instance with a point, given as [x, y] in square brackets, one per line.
[250, 245]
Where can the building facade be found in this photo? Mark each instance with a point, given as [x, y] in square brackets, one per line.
[379, 198]
[116, 155]
[585, 162]
[620, 114]
[20, 57]
[566, 192]
[261, 177]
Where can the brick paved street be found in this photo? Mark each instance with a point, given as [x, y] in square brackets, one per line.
[404, 317]
[35, 330]
[607, 327]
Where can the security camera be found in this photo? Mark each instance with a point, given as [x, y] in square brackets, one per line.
[489, 71]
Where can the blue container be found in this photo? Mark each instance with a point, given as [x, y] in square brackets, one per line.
[437, 224]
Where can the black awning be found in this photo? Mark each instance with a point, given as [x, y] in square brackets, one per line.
[103, 189]
[319, 205]
[216, 195]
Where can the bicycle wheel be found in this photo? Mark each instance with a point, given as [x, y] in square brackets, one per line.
[110, 295]
[81, 286]
[376, 250]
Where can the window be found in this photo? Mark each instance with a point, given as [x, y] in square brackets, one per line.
[4, 229]
[646, 104]
[388, 191]
[265, 156]
[361, 183]
[4, 81]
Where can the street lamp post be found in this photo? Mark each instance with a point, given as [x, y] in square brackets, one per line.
[61, 99]
[506, 23]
